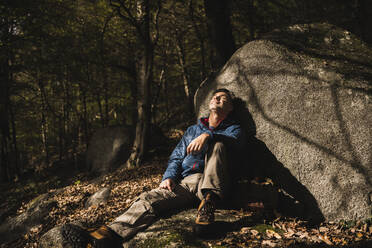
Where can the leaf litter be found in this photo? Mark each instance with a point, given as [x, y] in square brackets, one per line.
[127, 184]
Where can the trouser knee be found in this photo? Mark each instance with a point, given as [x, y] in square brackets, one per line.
[218, 147]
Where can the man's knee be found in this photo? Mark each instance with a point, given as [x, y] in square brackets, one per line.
[218, 146]
[153, 196]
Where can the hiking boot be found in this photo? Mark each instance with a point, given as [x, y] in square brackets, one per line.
[206, 210]
[77, 237]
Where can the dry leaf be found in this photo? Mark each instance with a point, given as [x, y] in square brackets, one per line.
[325, 239]
[269, 243]
[302, 234]
[272, 233]
[254, 232]
[289, 233]
[323, 229]
[315, 238]
[359, 235]
[364, 228]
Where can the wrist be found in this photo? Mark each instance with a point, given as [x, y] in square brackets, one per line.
[206, 135]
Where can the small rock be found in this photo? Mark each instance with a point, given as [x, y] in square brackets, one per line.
[100, 197]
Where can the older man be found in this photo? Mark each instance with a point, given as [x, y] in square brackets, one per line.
[198, 169]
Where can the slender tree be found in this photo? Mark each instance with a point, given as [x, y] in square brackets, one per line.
[220, 31]
[144, 64]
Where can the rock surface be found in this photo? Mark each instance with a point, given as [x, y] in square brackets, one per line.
[55, 238]
[100, 197]
[308, 89]
[108, 149]
[177, 230]
[34, 215]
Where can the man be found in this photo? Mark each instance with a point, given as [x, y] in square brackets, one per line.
[198, 168]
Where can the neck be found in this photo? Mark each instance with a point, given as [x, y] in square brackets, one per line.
[215, 118]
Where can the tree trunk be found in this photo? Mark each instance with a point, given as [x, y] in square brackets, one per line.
[85, 115]
[186, 84]
[200, 36]
[144, 62]
[220, 31]
[364, 9]
[44, 128]
[101, 115]
[4, 120]
[5, 112]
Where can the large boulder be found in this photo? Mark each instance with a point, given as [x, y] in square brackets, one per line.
[109, 148]
[177, 230]
[36, 213]
[308, 89]
[62, 236]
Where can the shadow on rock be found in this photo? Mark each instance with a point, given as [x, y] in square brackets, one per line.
[285, 194]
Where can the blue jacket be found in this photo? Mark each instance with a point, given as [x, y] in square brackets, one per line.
[181, 164]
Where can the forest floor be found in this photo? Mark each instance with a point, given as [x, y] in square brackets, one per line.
[127, 184]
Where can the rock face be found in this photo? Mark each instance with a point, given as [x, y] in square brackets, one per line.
[57, 237]
[100, 197]
[109, 148]
[177, 231]
[308, 89]
[35, 214]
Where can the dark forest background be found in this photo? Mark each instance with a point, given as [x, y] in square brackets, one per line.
[69, 67]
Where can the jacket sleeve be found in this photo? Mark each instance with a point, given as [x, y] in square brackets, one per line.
[174, 168]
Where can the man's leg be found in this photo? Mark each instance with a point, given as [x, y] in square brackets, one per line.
[214, 184]
[216, 176]
[151, 204]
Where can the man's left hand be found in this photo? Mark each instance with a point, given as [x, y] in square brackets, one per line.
[197, 144]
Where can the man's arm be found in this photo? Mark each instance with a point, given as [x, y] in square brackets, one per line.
[167, 184]
[197, 144]
[173, 170]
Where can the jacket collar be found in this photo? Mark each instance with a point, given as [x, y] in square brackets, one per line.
[228, 121]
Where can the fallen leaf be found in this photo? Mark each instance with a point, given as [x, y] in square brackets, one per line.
[254, 232]
[359, 235]
[271, 233]
[269, 243]
[323, 229]
[364, 228]
[325, 239]
[315, 238]
[302, 234]
[289, 233]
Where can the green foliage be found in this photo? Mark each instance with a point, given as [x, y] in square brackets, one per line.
[261, 228]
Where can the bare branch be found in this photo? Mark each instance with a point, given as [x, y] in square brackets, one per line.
[130, 18]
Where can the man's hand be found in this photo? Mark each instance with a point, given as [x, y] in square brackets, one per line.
[167, 184]
[197, 144]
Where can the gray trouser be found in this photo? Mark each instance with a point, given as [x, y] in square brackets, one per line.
[151, 204]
